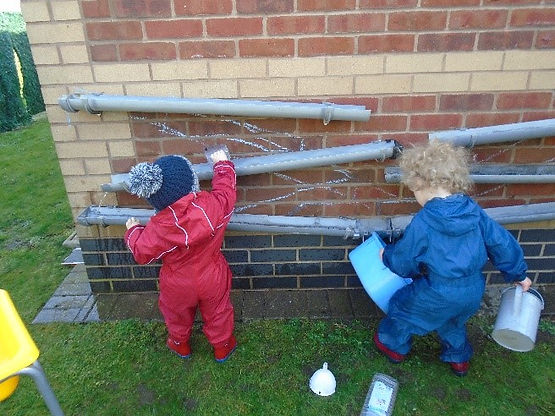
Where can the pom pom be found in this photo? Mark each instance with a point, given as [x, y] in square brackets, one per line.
[145, 179]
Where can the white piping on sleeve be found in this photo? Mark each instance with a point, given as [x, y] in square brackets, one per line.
[205, 215]
[180, 227]
[161, 254]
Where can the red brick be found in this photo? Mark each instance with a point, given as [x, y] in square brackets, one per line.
[202, 7]
[495, 203]
[142, 8]
[266, 47]
[401, 207]
[505, 40]
[207, 49]
[315, 209]
[114, 31]
[122, 165]
[417, 21]
[510, 101]
[95, 8]
[298, 177]
[267, 194]
[104, 53]
[380, 123]
[316, 126]
[538, 115]
[208, 128]
[510, 2]
[147, 50]
[478, 19]
[325, 5]
[433, 122]
[372, 191]
[534, 155]
[236, 26]
[449, 3]
[241, 147]
[368, 102]
[265, 126]
[408, 104]
[445, 42]
[491, 119]
[326, 46]
[387, 4]
[533, 17]
[530, 189]
[173, 29]
[255, 209]
[264, 6]
[295, 24]
[466, 102]
[493, 154]
[346, 140]
[125, 199]
[546, 39]
[386, 43]
[148, 148]
[363, 175]
[351, 209]
[317, 192]
[488, 190]
[356, 23]
[254, 180]
[159, 129]
[182, 146]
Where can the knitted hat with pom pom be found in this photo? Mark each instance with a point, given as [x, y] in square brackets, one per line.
[163, 182]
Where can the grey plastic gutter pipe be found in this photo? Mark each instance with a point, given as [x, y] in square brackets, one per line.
[347, 228]
[497, 134]
[96, 103]
[379, 150]
[496, 174]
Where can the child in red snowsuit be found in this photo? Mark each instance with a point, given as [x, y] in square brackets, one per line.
[186, 233]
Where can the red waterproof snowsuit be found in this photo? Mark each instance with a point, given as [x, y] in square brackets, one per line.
[187, 236]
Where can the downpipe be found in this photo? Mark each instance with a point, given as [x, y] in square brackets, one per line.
[379, 150]
[344, 227]
[495, 174]
[96, 103]
[497, 134]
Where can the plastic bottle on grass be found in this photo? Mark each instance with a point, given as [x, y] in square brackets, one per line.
[381, 395]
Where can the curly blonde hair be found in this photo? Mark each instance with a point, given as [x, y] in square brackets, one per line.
[436, 164]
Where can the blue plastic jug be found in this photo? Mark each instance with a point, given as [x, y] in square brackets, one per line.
[379, 282]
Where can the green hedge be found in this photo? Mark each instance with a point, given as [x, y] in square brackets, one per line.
[17, 102]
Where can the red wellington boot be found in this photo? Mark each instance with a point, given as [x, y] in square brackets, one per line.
[460, 369]
[223, 351]
[393, 356]
[183, 349]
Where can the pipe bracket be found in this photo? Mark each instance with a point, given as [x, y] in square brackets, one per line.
[327, 113]
[86, 105]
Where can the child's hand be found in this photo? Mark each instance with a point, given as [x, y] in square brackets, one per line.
[526, 283]
[131, 222]
[218, 156]
[217, 153]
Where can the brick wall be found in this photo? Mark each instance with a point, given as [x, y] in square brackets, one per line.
[419, 65]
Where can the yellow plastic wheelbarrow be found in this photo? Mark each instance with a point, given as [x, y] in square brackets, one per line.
[19, 356]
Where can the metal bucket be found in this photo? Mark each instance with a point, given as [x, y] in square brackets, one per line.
[517, 319]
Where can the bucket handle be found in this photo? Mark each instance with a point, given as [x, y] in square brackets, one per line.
[518, 300]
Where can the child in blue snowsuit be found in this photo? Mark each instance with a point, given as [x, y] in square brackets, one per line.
[443, 249]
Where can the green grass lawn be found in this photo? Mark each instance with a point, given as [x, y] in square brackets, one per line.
[123, 368]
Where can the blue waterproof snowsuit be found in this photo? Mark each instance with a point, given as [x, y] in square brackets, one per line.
[444, 249]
